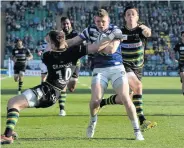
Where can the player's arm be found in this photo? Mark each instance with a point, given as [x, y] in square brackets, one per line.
[13, 58]
[109, 49]
[176, 53]
[146, 31]
[96, 47]
[112, 47]
[105, 41]
[74, 41]
[29, 55]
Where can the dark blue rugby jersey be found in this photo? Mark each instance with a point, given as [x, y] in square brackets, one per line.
[90, 34]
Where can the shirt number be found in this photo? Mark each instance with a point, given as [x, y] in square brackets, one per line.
[68, 73]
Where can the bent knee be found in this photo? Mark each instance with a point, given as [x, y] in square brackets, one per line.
[95, 102]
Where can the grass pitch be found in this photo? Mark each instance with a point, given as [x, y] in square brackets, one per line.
[43, 128]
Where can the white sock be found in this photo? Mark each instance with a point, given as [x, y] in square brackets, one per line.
[94, 118]
[135, 124]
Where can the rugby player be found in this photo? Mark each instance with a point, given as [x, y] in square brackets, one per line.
[179, 49]
[59, 62]
[107, 67]
[20, 56]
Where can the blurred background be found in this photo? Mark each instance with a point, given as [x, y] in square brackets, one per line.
[31, 20]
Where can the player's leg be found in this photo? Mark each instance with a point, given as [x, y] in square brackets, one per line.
[39, 96]
[16, 73]
[135, 83]
[121, 87]
[99, 84]
[62, 101]
[20, 81]
[181, 70]
[15, 105]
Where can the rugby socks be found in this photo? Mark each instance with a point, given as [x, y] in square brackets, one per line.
[20, 85]
[62, 100]
[137, 101]
[109, 101]
[12, 118]
[135, 124]
[94, 118]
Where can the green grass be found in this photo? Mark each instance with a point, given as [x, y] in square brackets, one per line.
[43, 128]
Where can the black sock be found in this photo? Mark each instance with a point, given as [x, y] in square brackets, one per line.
[109, 101]
[20, 85]
[62, 100]
[137, 101]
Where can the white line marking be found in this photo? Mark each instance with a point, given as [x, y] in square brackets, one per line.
[2, 78]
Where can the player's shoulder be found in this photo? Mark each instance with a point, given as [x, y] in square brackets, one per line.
[46, 53]
[14, 49]
[113, 26]
[75, 32]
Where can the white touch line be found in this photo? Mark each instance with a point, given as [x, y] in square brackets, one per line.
[2, 78]
[85, 85]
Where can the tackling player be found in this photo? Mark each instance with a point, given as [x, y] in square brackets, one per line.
[20, 56]
[59, 62]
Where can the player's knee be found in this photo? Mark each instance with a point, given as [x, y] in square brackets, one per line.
[95, 103]
[138, 88]
[127, 102]
[12, 103]
[16, 79]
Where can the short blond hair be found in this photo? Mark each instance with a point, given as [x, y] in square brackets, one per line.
[102, 13]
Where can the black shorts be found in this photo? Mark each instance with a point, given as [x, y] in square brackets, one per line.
[181, 68]
[46, 95]
[76, 72]
[137, 72]
[18, 68]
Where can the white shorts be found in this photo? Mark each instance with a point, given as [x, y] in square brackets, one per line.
[43, 68]
[30, 97]
[115, 74]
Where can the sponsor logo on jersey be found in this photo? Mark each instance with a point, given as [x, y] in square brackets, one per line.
[57, 66]
[181, 48]
[133, 45]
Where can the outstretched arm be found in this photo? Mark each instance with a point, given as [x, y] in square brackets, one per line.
[112, 47]
[74, 41]
[108, 47]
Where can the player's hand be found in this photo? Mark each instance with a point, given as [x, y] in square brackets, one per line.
[14, 59]
[115, 34]
[40, 53]
[146, 31]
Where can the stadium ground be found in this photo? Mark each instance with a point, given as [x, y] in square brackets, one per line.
[43, 128]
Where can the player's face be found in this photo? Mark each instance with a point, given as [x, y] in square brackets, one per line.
[66, 25]
[19, 44]
[47, 39]
[182, 37]
[102, 23]
[131, 16]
